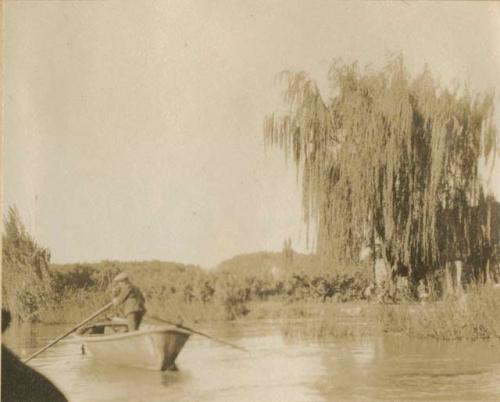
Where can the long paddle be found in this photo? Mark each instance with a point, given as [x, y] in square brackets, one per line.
[199, 333]
[102, 310]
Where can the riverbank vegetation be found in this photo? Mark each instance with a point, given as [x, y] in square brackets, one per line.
[466, 316]
[26, 277]
[469, 316]
[35, 290]
[279, 286]
[387, 160]
[253, 286]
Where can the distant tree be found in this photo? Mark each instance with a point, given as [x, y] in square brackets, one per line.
[391, 158]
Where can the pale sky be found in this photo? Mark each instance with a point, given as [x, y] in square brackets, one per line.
[133, 130]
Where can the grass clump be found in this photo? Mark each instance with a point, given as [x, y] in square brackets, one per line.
[469, 316]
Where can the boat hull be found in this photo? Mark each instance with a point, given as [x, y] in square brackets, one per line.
[149, 348]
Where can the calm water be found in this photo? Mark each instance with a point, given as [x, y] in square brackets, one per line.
[385, 368]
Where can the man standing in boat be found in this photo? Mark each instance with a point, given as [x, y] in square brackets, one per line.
[131, 300]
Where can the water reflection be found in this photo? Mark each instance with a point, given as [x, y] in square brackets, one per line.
[398, 368]
[380, 368]
[22, 338]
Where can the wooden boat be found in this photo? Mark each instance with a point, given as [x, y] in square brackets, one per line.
[152, 347]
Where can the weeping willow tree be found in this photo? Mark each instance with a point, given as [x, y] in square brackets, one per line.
[390, 158]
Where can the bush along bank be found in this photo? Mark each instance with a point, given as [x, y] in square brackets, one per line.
[188, 293]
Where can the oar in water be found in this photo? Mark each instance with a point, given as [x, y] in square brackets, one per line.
[199, 333]
[102, 310]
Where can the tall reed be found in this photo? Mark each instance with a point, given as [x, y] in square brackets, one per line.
[467, 316]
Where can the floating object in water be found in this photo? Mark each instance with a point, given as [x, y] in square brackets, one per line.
[152, 347]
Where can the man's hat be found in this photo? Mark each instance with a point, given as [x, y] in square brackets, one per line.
[122, 276]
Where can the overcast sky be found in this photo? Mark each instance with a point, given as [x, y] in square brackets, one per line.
[133, 130]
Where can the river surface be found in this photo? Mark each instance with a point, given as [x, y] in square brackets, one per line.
[383, 368]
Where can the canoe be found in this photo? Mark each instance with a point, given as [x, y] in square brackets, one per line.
[151, 347]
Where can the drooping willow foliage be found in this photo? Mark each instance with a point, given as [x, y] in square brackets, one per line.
[393, 159]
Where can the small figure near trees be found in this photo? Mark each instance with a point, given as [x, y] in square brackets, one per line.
[369, 292]
[422, 292]
[287, 252]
